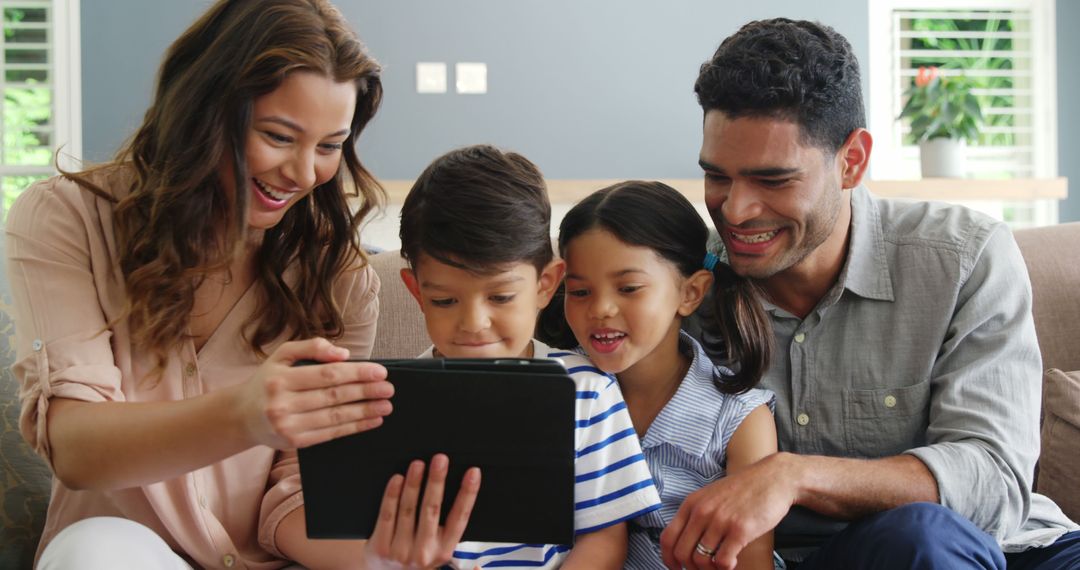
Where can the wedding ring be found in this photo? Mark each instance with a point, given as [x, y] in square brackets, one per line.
[706, 552]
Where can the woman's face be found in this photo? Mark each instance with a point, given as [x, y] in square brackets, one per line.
[294, 143]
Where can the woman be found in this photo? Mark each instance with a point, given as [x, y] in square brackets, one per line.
[162, 297]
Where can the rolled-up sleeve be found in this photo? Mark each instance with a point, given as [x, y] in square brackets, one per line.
[358, 294]
[983, 438]
[63, 344]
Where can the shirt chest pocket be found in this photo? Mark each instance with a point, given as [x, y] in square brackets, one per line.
[886, 421]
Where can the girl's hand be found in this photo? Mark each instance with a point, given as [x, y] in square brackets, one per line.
[286, 407]
[398, 540]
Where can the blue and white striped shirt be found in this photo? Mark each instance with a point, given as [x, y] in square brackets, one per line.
[612, 481]
[686, 447]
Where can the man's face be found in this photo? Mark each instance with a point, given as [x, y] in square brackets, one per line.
[773, 198]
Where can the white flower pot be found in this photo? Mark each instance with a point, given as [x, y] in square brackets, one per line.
[943, 158]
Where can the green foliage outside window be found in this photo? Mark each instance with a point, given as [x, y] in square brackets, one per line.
[981, 58]
[27, 111]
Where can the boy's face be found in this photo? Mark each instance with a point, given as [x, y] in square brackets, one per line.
[481, 316]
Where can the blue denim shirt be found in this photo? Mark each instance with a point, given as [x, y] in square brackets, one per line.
[926, 346]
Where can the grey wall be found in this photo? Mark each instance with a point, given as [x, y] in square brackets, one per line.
[1068, 85]
[596, 89]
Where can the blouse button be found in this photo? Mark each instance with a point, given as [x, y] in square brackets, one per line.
[803, 419]
[228, 560]
[37, 344]
[190, 369]
[890, 401]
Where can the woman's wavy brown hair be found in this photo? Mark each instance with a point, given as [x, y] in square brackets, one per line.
[179, 222]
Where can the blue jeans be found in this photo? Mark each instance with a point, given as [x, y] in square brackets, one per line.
[926, 535]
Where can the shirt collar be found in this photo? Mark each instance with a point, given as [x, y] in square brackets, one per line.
[866, 271]
[697, 403]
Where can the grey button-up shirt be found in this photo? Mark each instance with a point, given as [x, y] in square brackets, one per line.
[926, 346]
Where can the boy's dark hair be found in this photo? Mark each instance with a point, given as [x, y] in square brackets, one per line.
[656, 216]
[478, 208]
[793, 70]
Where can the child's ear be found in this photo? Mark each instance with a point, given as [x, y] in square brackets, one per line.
[693, 291]
[408, 276]
[550, 278]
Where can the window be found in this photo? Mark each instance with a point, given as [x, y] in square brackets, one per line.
[39, 80]
[1007, 48]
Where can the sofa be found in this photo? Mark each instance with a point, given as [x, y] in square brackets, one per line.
[1053, 259]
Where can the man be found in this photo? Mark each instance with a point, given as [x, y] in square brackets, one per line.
[907, 373]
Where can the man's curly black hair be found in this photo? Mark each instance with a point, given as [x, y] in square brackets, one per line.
[799, 71]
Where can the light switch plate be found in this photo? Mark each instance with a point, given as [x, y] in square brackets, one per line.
[471, 78]
[430, 77]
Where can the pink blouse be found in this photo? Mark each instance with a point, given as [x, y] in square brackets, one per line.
[67, 285]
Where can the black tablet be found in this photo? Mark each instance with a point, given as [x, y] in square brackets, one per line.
[512, 418]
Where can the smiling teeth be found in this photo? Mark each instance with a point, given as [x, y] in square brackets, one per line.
[755, 238]
[279, 196]
[609, 335]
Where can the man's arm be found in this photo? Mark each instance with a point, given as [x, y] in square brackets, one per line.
[750, 503]
[982, 439]
[986, 386]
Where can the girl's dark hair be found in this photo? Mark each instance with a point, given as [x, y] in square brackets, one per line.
[656, 216]
[178, 223]
[478, 208]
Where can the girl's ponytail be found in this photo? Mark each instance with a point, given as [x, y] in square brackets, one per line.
[744, 326]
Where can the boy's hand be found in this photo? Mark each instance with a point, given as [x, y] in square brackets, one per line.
[398, 540]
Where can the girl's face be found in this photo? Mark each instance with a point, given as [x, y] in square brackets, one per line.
[294, 143]
[625, 301]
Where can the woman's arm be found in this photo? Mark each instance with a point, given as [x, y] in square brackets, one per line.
[604, 548]
[115, 445]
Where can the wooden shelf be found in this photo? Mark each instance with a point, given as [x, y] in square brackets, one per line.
[951, 189]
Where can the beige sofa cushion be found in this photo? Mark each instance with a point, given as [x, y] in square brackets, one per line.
[401, 332]
[1059, 464]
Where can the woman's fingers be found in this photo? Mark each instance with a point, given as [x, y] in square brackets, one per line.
[316, 348]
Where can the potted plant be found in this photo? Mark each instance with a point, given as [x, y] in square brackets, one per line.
[944, 117]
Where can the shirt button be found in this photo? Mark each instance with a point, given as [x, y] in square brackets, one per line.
[803, 419]
[37, 344]
[202, 501]
[800, 337]
[890, 401]
[190, 369]
[228, 560]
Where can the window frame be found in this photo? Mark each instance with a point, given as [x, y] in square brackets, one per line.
[64, 45]
[889, 160]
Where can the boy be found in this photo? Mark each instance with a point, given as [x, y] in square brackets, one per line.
[475, 229]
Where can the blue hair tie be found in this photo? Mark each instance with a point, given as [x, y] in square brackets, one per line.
[711, 260]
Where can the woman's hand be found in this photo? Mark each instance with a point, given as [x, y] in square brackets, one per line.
[286, 407]
[406, 537]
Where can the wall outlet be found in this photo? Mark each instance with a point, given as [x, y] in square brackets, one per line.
[431, 77]
[471, 78]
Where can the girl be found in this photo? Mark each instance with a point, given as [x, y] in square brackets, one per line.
[636, 267]
[161, 298]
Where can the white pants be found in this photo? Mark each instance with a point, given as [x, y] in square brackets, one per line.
[109, 543]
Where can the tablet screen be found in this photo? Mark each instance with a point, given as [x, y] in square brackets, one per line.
[513, 418]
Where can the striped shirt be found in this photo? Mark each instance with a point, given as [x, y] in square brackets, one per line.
[686, 447]
[612, 481]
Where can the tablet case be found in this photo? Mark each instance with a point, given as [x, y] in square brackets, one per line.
[513, 418]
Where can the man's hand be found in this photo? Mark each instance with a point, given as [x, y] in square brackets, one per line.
[727, 515]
